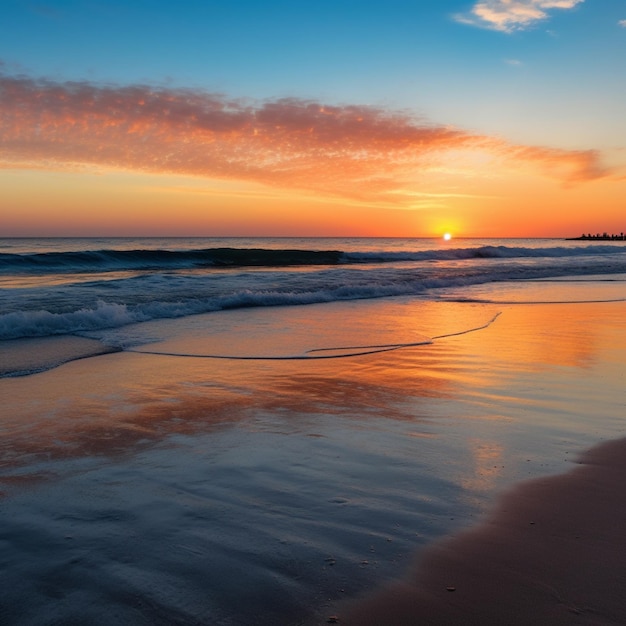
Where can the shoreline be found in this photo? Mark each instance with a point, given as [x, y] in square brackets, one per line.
[148, 488]
[551, 552]
[33, 355]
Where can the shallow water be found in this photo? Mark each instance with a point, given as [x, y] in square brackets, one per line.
[87, 286]
[151, 489]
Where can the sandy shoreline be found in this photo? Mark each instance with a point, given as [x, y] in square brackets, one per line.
[552, 552]
[143, 489]
[23, 357]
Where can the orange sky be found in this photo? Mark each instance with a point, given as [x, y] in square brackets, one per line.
[80, 159]
[491, 118]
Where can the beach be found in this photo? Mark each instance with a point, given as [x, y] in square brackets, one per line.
[313, 313]
[551, 553]
[417, 458]
[140, 488]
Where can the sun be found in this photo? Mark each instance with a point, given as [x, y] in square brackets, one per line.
[447, 236]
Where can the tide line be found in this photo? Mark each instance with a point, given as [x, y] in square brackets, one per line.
[354, 351]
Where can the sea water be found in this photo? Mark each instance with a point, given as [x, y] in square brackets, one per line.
[101, 288]
[206, 468]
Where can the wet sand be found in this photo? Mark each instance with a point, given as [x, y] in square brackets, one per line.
[21, 357]
[552, 552]
[144, 489]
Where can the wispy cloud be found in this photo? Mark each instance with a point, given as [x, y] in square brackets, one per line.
[511, 15]
[622, 23]
[350, 151]
[567, 165]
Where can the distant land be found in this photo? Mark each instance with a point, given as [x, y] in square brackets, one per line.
[598, 237]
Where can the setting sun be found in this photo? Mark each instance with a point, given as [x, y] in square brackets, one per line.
[447, 236]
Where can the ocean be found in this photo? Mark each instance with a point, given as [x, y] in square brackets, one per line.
[257, 431]
[103, 288]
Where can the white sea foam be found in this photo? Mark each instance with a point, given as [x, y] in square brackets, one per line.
[43, 323]
[169, 283]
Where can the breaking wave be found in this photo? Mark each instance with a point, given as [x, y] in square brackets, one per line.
[160, 284]
[116, 260]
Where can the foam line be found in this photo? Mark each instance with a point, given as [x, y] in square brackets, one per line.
[471, 330]
[387, 346]
[356, 350]
[396, 346]
[296, 357]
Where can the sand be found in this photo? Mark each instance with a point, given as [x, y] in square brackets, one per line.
[144, 489]
[21, 357]
[552, 552]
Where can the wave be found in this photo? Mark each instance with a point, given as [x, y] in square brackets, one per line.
[116, 260]
[483, 252]
[170, 286]
[113, 304]
[111, 260]
[106, 315]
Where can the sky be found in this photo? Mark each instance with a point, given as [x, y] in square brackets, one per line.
[500, 118]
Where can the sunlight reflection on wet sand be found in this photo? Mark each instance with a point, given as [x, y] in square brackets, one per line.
[286, 465]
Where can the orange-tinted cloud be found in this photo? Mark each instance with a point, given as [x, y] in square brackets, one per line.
[570, 165]
[350, 151]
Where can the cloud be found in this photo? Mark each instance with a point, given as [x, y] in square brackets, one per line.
[622, 23]
[568, 165]
[511, 15]
[351, 151]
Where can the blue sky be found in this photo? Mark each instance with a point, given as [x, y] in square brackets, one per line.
[397, 53]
